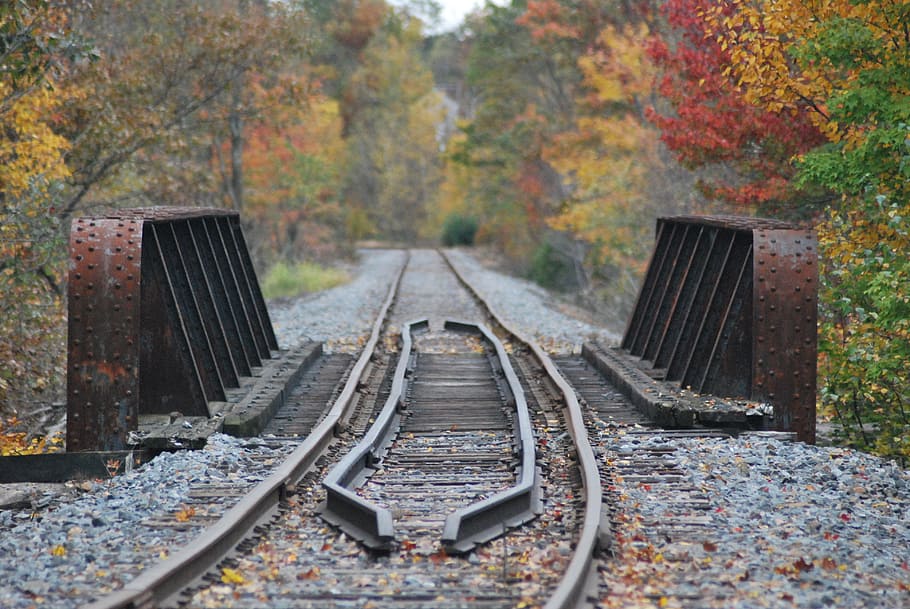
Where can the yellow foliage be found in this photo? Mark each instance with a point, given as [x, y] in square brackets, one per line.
[28, 146]
[606, 160]
[761, 34]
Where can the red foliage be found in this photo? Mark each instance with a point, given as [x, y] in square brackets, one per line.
[712, 123]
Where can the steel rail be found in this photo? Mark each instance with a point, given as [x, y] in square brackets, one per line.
[362, 519]
[155, 585]
[516, 505]
[580, 574]
[479, 522]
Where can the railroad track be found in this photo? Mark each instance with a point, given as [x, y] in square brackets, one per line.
[449, 465]
[273, 543]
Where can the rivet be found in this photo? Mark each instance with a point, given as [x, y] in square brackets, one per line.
[771, 395]
[129, 394]
[91, 249]
[79, 257]
[78, 240]
[89, 329]
[773, 307]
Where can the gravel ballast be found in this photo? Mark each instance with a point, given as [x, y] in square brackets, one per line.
[790, 524]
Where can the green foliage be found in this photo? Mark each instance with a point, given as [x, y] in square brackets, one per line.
[552, 269]
[284, 279]
[459, 230]
[864, 333]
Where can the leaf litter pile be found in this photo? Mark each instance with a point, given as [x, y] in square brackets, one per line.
[756, 522]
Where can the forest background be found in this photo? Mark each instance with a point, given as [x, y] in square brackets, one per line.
[554, 131]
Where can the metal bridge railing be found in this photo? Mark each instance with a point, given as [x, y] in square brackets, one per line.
[165, 314]
[728, 307]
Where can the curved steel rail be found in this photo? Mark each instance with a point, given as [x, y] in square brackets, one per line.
[479, 522]
[484, 520]
[158, 583]
[580, 574]
[359, 518]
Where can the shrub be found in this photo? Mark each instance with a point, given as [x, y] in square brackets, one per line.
[459, 230]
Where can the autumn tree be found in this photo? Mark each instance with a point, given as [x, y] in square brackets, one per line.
[35, 46]
[844, 65]
[170, 88]
[745, 151]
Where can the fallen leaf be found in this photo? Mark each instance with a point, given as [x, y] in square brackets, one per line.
[311, 573]
[231, 576]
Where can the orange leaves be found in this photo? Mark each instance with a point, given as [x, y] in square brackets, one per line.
[184, 514]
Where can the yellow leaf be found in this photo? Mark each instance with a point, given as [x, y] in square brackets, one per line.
[58, 551]
[231, 576]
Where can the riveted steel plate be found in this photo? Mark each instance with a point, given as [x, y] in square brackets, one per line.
[103, 363]
[785, 348]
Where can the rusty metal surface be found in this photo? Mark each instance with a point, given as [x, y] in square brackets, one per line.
[166, 314]
[785, 346]
[726, 306]
[103, 361]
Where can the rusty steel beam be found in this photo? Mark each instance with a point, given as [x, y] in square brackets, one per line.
[165, 314]
[728, 307]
